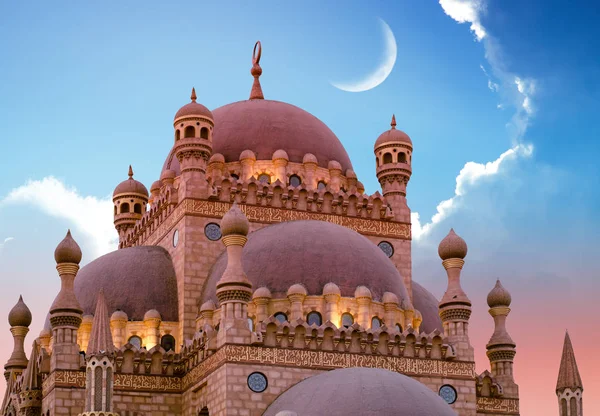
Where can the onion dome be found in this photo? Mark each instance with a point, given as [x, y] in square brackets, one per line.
[331, 289]
[452, 247]
[296, 289]
[216, 158]
[208, 306]
[393, 135]
[389, 297]
[19, 315]
[118, 315]
[280, 154]
[362, 292]
[498, 296]
[193, 109]
[234, 222]
[360, 391]
[262, 292]
[156, 185]
[152, 314]
[247, 154]
[67, 251]
[131, 186]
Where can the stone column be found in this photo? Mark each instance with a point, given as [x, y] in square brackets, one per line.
[332, 294]
[296, 294]
[363, 298]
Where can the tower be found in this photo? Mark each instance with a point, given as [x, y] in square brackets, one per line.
[569, 388]
[99, 364]
[193, 147]
[501, 348]
[130, 198]
[31, 388]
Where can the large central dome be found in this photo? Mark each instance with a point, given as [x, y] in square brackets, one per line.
[265, 126]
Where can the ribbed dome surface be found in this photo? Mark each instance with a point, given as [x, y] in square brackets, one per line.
[360, 391]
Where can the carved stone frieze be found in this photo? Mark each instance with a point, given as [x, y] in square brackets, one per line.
[497, 405]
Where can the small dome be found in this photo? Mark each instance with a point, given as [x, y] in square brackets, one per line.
[234, 222]
[156, 185]
[19, 315]
[499, 296]
[331, 289]
[247, 154]
[193, 109]
[216, 158]
[87, 319]
[208, 306]
[334, 165]
[167, 174]
[131, 186]
[452, 247]
[309, 158]
[67, 251]
[152, 314]
[280, 154]
[389, 297]
[262, 292]
[360, 391]
[362, 292]
[392, 136]
[118, 315]
[296, 289]
[350, 174]
[418, 316]
[44, 333]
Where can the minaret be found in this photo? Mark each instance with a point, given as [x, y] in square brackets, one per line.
[31, 389]
[19, 319]
[501, 348]
[234, 290]
[100, 364]
[66, 313]
[569, 388]
[130, 199]
[193, 125]
[455, 306]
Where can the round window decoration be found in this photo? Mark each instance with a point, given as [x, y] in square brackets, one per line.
[175, 238]
[387, 248]
[257, 382]
[212, 231]
[448, 393]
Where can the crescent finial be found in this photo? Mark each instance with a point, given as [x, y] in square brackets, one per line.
[256, 92]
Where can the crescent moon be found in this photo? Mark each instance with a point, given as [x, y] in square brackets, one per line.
[382, 72]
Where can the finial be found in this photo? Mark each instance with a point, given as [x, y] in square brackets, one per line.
[130, 174]
[452, 246]
[256, 92]
[20, 315]
[67, 251]
[393, 123]
[193, 97]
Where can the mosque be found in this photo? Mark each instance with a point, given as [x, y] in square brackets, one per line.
[258, 278]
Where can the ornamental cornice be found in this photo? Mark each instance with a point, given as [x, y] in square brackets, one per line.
[206, 120]
[394, 144]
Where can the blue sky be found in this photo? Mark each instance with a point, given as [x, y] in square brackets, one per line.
[89, 88]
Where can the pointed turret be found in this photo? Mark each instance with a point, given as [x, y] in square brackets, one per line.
[31, 389]
[19, 319]
[130, 199]
[569, 387]
[101, 341]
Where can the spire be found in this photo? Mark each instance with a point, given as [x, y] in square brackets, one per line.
[31, 376]
[193, 97]
[130, 173]
[100, 338]
[568, 375]
[256, 92]
[393, 123]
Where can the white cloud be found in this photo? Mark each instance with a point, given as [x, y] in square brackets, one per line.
[466, 11]
[469, 176]
[91, 217]
[6, 240]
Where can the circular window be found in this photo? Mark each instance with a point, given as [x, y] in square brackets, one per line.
[314, 318]
[375, 323]
[175, 238]
[257, 382]
[347, 320]
[264, 178]
[136, 341]
[387, 248]
[295, 181]
[448, 393]
[212, 231]
[281, 317]
[321, 185]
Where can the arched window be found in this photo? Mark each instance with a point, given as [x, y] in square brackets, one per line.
[314, 318]
[564, 411]
[190, 131]
[264, 178]
[573, 406]
[387, 158]
[321, 185]
[402, 157]
[234, 176]
[250, 324]
[295, 181]
[204, 133]
[347, 320]
[167, 342]
[398, 327]
[204, 412]
[281, 317]
[124, 207]
[177, 135]
[137, 208]
[115, 210]
[375, 323]
[135, 340]
[376, 161]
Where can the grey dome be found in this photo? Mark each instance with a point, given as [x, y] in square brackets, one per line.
[360, 391]
[134, 280]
